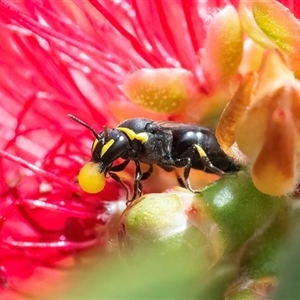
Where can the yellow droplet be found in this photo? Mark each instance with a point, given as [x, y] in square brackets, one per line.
[90, 179]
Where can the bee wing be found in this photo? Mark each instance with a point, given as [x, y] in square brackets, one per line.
[169, 125]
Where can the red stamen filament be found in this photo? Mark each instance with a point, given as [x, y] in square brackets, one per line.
[135, 43]
[80, 213]
[44, 31]
[45, 174]
[166, 28]
[188, 17]
[66, 245]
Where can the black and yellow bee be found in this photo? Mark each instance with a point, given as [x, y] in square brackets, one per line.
[169, 145]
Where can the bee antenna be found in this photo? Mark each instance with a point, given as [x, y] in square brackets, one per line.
[105, 134]
[85, 125]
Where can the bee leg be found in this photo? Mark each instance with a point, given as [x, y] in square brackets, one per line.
[118, 180]
[206, 162]
[208, 165]
[179, 179]
[120, 167]
[137, 186]
[171, 169]
[186, 174]
[187, 163]
[148, 173]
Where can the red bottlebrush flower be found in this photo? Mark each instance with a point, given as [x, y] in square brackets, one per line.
[70, 57]
[60, 57]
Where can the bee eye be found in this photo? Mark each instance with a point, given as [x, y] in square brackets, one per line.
[90, 179]
[113, 148]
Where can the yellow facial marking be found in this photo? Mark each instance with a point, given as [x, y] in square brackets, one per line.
[90, 179]
[200, 151]
[95, 142]
[142, 137]
[106, 146]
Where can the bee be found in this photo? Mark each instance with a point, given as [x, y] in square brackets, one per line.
[168, 145]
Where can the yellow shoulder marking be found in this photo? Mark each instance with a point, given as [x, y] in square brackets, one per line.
[142, 137]
[106, 146]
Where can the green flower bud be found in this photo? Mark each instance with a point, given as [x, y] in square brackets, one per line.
[170, 221]
[220, 218]
[239, 208]
[259, 263]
